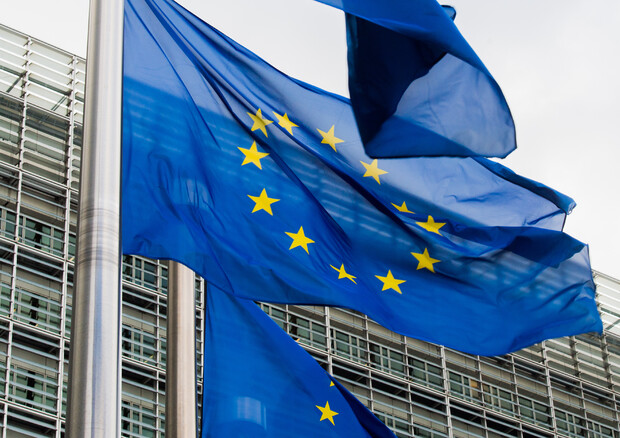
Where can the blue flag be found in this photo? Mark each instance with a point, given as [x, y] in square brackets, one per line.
[260, 383]
[260, 183]
[417, 87]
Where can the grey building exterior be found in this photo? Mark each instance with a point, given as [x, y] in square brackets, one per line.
[567, 387]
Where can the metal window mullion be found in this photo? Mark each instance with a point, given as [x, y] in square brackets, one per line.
[582, 409]
[6, 380]
[367, 339]
[26, 77]
[607, 365]
[495, 398]
[549, 390]
[368, 369]
[158, 333]
[446, 387]
[328, 340]
[20, 178]
[513, 388]
[478, 376]
[572, 342]
[157, 404]
[201, 312]
[286, 323]
[20, 166]
[64, 290]
[410, 389]
[9, 347]
[161, 364]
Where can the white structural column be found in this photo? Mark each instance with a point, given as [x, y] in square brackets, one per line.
[181, 353]
[94, 364]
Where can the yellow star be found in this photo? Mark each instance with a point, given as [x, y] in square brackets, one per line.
[299, 239]
[425, 261]
[263, 202]
[389, 282]
[327, 413]
[259, 122]
[332, 384]
[402, 208]
[284, 122]
[431, 226]
[329, 138]
[373, 170]
[252, 155]
[343, 274]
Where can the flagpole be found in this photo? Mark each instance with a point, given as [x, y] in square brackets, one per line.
[94, 363]
[181, 353]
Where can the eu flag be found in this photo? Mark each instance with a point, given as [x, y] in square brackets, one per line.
[260, 383]
[260, 183]
[417, 87]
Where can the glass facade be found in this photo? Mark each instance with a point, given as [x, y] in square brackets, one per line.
[567, 387]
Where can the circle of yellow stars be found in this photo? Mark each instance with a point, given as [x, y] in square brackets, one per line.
[262, 202]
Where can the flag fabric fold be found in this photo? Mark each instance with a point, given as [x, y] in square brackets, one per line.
[417, 87]
[260, 183]
[260, 383]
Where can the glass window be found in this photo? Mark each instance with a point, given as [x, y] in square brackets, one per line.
[5, 298]
[387, 359]
[42, 236]
[141, 272]
[307, 331]
[276, 314]
[33, 389]
[399, 426]
[570, 424]
[139, 345]
[534, 412]
[138, 421]
[464, 387]
[7, 223]
[10, 125]
[596, 430]
[349, 346]
[497, 398]
[426, 373]
[424, 432]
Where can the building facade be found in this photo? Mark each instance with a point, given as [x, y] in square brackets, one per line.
[567, 387]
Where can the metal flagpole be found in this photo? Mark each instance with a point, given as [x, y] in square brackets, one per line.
[181, 353]
[94, 362]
